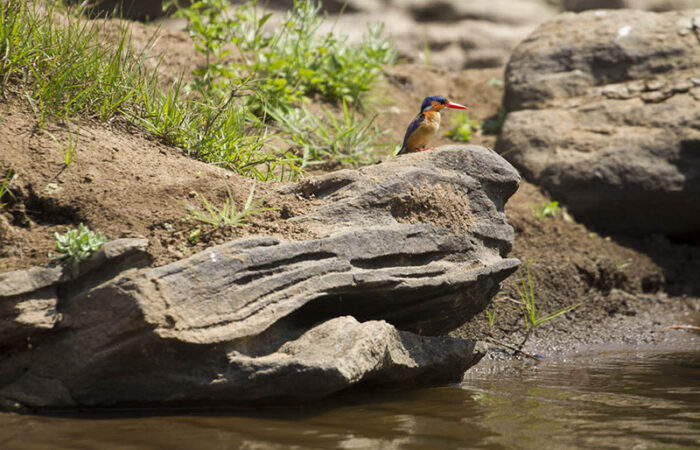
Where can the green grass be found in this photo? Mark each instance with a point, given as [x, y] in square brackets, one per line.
[348, 139]
[533, 317]
[3, 187]
[226, 215]
[288, 65]
[59, 66]
[285, 69]
[77, 245]
[69, 149]
[492, 318]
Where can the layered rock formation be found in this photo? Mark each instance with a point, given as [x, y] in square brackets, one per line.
[604, 114]
[407, 251]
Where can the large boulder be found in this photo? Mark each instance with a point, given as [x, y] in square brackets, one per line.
[604, 114]
[650, 5]
[407, 250]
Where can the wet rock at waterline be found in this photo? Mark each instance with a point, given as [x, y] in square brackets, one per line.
[407, 250]
[604, 114]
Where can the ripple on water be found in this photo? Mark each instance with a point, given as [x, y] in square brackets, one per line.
[617, 400]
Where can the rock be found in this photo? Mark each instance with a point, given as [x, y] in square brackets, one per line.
[407, 251]
[650, 5]
[603, 114]
[29, 298]
[511, 12]
[128, 9]
[458, 34]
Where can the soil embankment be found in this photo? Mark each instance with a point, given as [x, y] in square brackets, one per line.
[126, 185]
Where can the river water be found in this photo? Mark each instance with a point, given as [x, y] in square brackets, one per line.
[609, 400]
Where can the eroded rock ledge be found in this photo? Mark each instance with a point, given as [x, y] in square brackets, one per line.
[408, 250]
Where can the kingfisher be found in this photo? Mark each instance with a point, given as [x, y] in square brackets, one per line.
[426, 124]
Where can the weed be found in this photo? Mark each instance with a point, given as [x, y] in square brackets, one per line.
[5, 183]
[77, 245]
[548, 209]
[492, 318]
[228, 214]
[194, 235]
[462, 127]
[528, 304]
[68, 150]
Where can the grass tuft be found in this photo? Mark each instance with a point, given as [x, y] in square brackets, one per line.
[528, 303]
[5, 183]
[227, 215]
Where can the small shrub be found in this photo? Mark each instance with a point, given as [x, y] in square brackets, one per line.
[462, 127]
[77, 245]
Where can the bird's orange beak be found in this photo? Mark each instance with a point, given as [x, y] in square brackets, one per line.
[455, 105]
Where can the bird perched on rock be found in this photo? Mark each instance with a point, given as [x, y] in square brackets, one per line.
[426, 124]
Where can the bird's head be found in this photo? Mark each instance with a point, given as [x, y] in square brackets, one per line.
[436, 103]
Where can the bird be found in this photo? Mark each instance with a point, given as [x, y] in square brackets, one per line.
[426, 124]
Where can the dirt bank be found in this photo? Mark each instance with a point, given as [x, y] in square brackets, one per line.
[125, 184]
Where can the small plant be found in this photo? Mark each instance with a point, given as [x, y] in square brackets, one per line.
[3, 187]
[194, 235]
[77, 245]
[426, 53]
[227, 215]
[492, 318]
[528, 304]
[462, 127]
[68, 150]
[549, 209]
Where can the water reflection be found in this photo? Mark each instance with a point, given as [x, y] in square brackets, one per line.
[613, 401]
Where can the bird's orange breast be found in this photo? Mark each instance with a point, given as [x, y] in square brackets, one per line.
[426, 130]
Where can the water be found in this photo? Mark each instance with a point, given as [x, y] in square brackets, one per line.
[619, 400]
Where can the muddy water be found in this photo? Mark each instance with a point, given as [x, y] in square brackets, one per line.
[614, 400]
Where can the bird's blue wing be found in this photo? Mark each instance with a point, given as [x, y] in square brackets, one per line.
[413, 126]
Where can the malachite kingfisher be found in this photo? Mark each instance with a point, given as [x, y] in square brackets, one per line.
[426, 124]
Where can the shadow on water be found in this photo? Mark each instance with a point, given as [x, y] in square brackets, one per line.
[617, 400]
